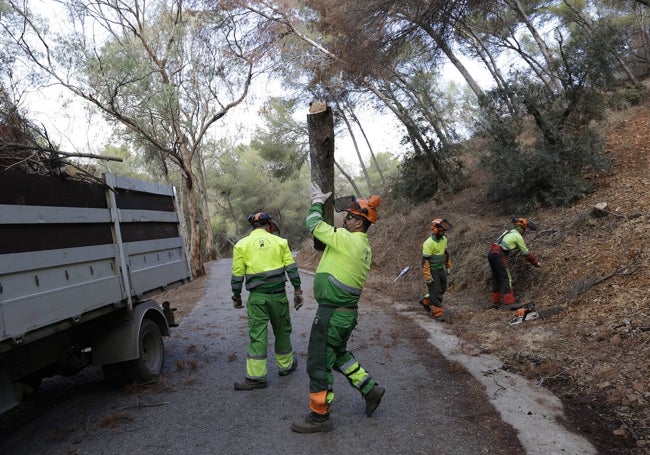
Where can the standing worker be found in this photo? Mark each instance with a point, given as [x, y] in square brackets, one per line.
[435, 268]
[263, 259]
[507, 245]
[338, 282]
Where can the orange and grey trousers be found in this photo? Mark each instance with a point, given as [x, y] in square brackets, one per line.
[501, 278]
[327, 351]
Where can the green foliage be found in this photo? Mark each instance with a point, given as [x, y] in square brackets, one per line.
[132, 165]
[282, 142]
[239, 188]
[524, 179]
[389, 166]
[416, 181]
[589, 56]
[630, 95]
[542, 157]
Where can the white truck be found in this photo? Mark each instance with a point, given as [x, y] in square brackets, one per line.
[79, 263]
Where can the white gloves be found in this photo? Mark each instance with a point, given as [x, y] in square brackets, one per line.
[317, 195]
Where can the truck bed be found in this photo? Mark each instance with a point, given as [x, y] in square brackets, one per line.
[72, 250]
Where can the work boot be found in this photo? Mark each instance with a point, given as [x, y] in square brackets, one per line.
[250, 384]
[291, 369]
[313, 423]
[438, 313]
[373, 398]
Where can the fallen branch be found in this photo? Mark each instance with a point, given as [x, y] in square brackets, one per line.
[36, 149]
[589, 282]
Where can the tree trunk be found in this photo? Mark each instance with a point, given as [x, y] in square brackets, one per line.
[541, 44]
[196, 259]
[372, 153]
[205, 212]
[320, 125]
[348, 178]
[356, 149]
[194, 215]
[444, 47]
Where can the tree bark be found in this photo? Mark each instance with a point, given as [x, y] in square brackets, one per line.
[320, 125]
[205, 209]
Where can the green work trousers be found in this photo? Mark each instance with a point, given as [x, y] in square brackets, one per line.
[437, 287]
[327, 350]
[262, 309]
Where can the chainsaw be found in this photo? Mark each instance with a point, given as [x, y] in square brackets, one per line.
[528, 313]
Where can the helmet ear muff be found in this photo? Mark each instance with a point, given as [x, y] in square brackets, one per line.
[260, 219]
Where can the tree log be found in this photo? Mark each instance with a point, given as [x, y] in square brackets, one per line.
[320, 125]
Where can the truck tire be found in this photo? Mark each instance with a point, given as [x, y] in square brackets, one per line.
[147, 366]
[152, 353]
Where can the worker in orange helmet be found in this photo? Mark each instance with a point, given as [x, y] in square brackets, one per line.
[435, 268]
[339, 279]
[508, 244]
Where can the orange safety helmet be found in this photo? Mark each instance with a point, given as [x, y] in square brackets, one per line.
[523, 222]
[439, 226]
[365, 208]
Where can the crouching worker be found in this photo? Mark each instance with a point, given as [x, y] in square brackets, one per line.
[508, 244]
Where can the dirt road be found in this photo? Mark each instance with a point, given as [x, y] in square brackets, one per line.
[432, 405]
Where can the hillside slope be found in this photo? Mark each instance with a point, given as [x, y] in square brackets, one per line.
[595, 354]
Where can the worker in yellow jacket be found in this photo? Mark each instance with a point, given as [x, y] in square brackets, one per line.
[338, 282]
[435, 268]
[507, 245]
[264, 261]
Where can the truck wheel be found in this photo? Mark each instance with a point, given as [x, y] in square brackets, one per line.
[152, 353]
[147, 366]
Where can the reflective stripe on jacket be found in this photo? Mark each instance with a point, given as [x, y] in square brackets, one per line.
[262, 258]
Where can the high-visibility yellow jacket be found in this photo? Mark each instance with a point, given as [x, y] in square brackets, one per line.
[263, 260]
[512, 241]
[344, 266]
[434, 255]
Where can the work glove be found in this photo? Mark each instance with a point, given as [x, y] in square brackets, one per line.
[297, 299]
[317, 195]
[236, 302]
